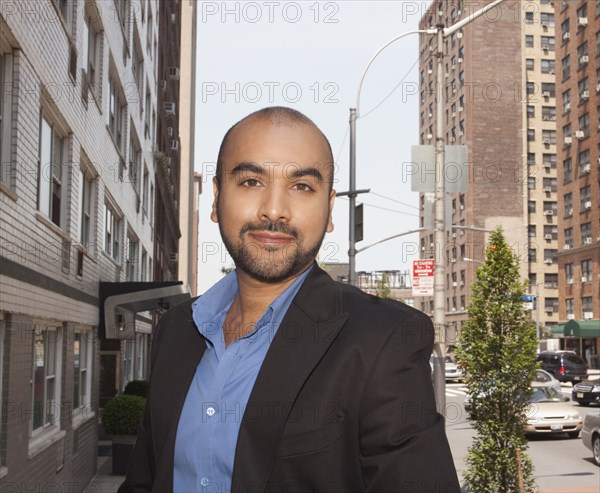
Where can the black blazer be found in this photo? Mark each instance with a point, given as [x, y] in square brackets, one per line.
[343, 402]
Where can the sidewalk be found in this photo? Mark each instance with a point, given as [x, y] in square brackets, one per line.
[104, 481]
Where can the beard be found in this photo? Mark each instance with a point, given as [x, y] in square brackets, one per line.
[271, 264]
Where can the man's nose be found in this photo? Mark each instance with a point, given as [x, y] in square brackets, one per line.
[274, 205]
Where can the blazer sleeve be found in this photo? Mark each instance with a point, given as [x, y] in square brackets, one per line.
[403, 445]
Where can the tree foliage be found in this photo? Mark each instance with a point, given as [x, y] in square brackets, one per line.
[497, 350]
[383, 288]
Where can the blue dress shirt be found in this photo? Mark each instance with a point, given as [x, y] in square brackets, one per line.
[210, 419]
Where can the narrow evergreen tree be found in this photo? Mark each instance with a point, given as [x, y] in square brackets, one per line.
[497, 349]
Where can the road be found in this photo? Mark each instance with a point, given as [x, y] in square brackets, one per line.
[560, 464]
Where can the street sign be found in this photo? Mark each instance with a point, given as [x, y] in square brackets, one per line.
[422, 278]
[527, 300]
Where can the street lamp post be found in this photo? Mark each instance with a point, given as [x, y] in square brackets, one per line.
[439, 222]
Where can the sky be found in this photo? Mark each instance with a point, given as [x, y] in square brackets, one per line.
[310, 56]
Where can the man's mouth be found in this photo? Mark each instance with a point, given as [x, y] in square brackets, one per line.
[268, 238]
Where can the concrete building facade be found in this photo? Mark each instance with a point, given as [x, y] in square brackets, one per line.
[578, 90]
[77, 127]
[499, 101]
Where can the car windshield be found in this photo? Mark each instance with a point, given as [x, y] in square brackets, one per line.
[544, 394]
[541, 376]
[573, 358]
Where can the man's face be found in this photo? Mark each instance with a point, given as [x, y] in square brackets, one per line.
[274, 204]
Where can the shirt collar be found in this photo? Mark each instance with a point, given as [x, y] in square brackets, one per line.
[210, 309]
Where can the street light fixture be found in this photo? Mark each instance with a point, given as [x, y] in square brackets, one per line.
[440, 32]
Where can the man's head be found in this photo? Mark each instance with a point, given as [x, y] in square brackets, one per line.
[273, 193]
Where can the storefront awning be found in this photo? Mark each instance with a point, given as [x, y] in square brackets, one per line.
[578, 328]
[120, 301]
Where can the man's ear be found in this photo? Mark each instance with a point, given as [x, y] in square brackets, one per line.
[214, 216]
[330, 218]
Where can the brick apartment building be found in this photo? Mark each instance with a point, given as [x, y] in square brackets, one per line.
[78, 185]
[499, 101]
[578, 122]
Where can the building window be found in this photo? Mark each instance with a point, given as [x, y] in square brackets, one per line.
[144, 265]
[566, 100]
[549, 113]
[582, 11]
[567, 170]
[569, 237]
[531, 181]
[586, 270]
[586, 233]
[92, 52]
[549, 136]
[597, 8]
[531, 158]
[582, 54]
[584, 124]
[583, 87]
[87, 187]
[531, 206]
[131, 258]
[587, 311]
[583, 161]
[530, 87]
[551, 305]
[142, 357]
[547, 19]
[549, 184]
[52, 171]
[568, 198]
[549, 161]
[83, 356]
[585, 194]
[551, 281]
[598, 44]
[529, 63]
[531, 230]
[565, 29]
[128, 361]
[570, 306]
[528, 17]
[145, 188]
[116, 114]
[530, 134]
[569, 273]
[548, 66]
[549, 88]
[112, 233]
[5, 119]
[566, 67]
[529, 41]
[46, 377]
[532, 254]
[530, 112]
[547, 43]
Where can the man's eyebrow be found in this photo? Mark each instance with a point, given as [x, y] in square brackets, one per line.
[309, 171]
[245, 167]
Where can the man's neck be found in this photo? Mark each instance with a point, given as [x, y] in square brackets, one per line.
[252, 299]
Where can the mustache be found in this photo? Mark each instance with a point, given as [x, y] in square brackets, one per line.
[271, 227]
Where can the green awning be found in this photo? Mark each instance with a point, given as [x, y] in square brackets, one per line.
[578, 328]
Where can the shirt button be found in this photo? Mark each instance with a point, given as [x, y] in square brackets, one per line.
[204, 481]
[210, 411]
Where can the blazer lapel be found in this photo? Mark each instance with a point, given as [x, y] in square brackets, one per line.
[306, 332]
[185, 346]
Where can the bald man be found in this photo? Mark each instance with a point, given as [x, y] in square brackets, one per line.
[279, 379]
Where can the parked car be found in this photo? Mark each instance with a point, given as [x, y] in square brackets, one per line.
[590, 435]
[585, 393]
[542, 376]
[549, 413]
[566, 366]
[451, 370]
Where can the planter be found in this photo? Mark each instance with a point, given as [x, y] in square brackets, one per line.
[122, 451]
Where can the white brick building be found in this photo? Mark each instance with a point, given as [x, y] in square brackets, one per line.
[78, 118]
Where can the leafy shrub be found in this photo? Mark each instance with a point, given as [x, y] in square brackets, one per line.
[136, 387]
[122, 414]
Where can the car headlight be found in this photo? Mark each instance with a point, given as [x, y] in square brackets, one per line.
[596, 388]
[573, 416]
[533, 421]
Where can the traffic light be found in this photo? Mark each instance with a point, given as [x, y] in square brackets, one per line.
[358, 223]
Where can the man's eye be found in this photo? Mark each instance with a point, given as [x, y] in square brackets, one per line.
[303, 187]
[250, 182]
